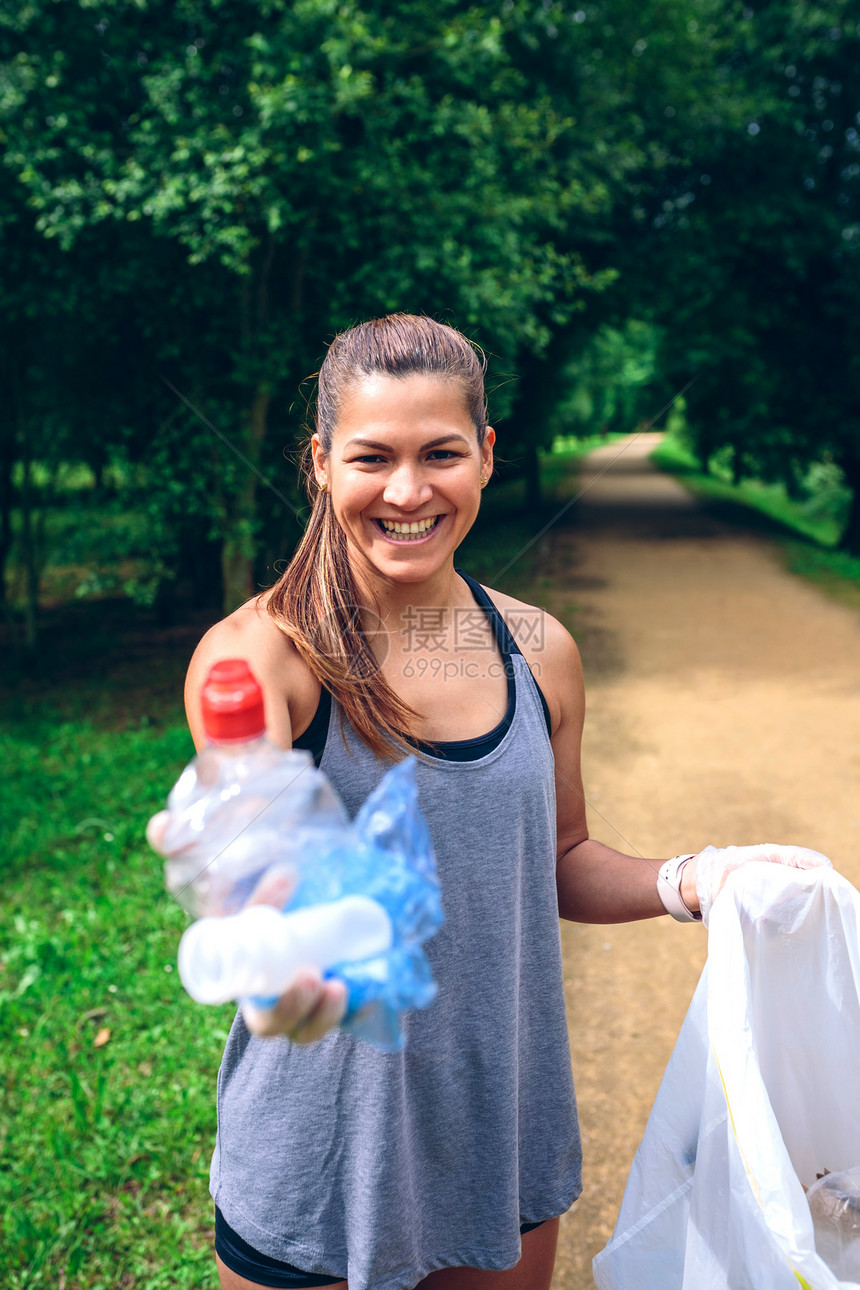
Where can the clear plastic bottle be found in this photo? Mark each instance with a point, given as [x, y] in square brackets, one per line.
[835, 1205]
[241, 807]
[260, 848]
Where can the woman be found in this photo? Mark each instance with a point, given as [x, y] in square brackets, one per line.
[449, 1164]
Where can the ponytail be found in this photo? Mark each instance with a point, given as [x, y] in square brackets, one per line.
[318, 606]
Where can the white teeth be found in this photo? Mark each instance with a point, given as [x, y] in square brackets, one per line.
[418, 528]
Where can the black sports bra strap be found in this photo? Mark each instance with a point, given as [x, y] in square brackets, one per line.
[313, 739]
[504, 639]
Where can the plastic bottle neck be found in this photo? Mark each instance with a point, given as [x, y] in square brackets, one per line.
[240, 747]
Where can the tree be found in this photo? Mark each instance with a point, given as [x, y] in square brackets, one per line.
[637, 81]
[759, 241]
[78, 361]
[31, 435]
[317, 163]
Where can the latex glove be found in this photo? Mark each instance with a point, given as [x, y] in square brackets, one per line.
[714, 864]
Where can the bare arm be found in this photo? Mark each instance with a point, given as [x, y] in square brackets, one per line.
[597, 884]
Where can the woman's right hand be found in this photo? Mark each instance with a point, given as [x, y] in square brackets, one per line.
[306, 1011]
[310, 1007]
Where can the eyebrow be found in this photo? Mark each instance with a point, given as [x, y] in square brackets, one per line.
[386, 447]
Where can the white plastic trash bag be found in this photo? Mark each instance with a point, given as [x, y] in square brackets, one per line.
[760, 1097]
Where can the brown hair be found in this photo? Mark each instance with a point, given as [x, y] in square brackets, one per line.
[317, 602]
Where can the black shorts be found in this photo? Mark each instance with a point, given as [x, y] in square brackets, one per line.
[245, 1261]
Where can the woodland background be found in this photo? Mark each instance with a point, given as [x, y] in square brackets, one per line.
[619, 201]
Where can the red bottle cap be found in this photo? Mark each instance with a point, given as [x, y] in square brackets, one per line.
[232, 703]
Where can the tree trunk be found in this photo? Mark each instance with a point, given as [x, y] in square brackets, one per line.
[850, 539]
[532, 478]
[7, 497]
[738, 470]
[240, 539]
[29, 553]
[538, 392]
[237, 556]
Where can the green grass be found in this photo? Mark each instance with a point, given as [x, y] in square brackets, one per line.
[107, 1066]
[807, 529]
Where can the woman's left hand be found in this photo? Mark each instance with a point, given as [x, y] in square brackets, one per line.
[707, 872]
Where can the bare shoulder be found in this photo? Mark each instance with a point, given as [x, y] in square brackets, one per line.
[249, 633]
[252, 634]
[549, 650]
[535, 630]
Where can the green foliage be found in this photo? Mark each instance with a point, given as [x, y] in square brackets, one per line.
[758, 242]
[207, 193]
[609, 382]
[261, 176]
[271, 173]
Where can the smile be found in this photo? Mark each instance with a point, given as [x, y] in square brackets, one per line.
[408, 532]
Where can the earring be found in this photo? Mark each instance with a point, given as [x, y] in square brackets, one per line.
[321, 487]
[484, 481]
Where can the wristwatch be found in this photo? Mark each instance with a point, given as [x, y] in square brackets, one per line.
[669, 890]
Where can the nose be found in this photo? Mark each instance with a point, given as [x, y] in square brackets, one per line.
[406, 488]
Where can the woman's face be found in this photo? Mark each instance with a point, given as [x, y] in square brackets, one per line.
[404, 474]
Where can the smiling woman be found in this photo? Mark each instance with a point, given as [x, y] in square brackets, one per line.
[443, 1165]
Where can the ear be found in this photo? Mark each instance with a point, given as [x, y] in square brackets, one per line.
[320, 459]
[487, 452]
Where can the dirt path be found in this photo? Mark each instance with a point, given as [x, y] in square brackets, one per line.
[724, 706]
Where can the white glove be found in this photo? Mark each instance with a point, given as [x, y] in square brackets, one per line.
[714, 864]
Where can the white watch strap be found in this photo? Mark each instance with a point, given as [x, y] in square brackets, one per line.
[669, 890]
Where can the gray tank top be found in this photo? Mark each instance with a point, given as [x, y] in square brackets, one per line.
[383, 1167]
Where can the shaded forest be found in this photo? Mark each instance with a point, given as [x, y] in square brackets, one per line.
[618, 201]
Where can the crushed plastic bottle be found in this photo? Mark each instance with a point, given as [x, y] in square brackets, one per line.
[834, 1202]
[251, 829]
